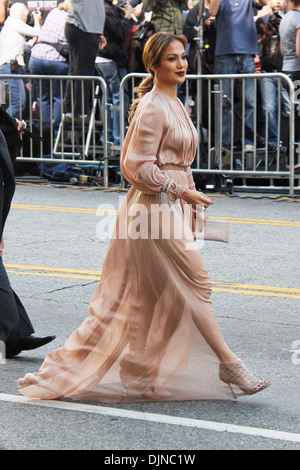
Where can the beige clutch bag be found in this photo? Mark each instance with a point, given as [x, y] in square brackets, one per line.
[215, 230]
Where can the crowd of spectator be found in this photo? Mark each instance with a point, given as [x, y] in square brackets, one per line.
[74, 39]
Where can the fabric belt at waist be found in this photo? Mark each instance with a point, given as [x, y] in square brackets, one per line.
[173, 167]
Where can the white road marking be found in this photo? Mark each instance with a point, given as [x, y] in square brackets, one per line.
[154, 418]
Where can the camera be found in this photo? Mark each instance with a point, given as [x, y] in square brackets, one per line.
[30, 18]
[143, 31]
[274, 21]
[121, 4]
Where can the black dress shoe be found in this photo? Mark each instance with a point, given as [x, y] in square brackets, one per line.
[33, 342]
[12, 353]
[26, 344]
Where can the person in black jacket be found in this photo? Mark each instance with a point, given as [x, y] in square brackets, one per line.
[16, 330]
[206, 56]
[209, 39]
[112, 61]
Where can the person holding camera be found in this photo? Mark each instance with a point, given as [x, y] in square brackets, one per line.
[12, 49]
[289, 31]
[167, 15]
[209, 37]
[267, 23]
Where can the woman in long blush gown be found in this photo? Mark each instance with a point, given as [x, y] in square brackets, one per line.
[151, 333]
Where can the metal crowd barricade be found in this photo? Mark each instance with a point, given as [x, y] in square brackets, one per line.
[79, 142]
[235, 163]
[72, 141]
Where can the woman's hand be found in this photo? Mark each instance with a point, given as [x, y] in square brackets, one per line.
[199, 203]
[128, 10]
[37, 17]
[196, 199]
[103, 42]
[21, 126]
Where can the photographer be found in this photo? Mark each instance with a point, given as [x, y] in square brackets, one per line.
[207, 53]
[209, 38]
[271, 62]
[13, 45]
[167, 15]
[290, 43]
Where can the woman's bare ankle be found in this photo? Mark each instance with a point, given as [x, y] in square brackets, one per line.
[227, 357]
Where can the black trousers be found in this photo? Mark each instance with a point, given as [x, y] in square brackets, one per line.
[14, 321]
[84, 48]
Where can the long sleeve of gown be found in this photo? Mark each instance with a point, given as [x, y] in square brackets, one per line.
[141, 153]
[190, 178]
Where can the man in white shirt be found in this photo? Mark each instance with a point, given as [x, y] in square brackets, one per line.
[12, 49]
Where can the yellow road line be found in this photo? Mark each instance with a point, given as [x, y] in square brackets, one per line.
[256, 293]
[285, 223]
[56, 270]
[260, 288]
[61, 276]
[282, 223]
[68, 186]
[82, 274]
[64, 209]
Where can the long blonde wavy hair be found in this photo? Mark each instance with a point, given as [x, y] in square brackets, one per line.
[153, 50]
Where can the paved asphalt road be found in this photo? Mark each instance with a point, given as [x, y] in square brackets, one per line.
[54, 257]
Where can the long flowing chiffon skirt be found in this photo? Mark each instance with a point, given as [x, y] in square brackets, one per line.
[140, 341]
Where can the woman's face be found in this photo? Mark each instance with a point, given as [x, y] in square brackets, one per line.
[173, 65]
